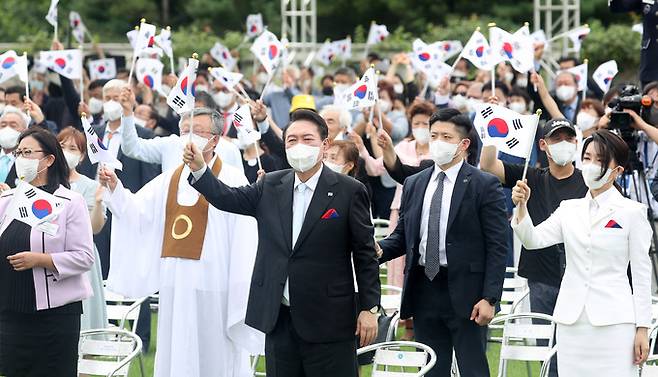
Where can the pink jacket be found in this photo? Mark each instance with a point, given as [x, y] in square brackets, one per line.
[71, 249]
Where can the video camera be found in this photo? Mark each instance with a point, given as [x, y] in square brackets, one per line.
[629, 98]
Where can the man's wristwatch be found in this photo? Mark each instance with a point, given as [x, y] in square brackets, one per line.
[492, 301]
[374, 310]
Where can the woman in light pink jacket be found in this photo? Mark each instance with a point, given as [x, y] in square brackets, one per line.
[42, 281]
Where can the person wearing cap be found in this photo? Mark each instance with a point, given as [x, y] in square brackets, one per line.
[550, 186]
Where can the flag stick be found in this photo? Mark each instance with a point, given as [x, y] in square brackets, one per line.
[56, 29]
[530, 145]
[566, 33]
[243, 91]
[190, 85]
[171, 57]
[82, 76]
[425, 87]
[585, 61]
[132, 66]
[379, 115]
[260, 165]
[493, 70]
[27, 89]
[269, 80]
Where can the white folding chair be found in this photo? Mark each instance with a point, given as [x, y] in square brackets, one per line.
[381, 228]
[254, 366]
[519, 337]
[515, 292]
[391, 298]
[154, 302]
[123, 310]
[394, 359]
[107, 352]
[650, 368]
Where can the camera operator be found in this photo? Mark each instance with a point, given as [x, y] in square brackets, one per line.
[649, 55]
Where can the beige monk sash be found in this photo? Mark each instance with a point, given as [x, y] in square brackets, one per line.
[185, 226]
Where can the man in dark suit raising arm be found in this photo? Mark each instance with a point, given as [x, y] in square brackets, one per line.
[311, 223]
[453, 230]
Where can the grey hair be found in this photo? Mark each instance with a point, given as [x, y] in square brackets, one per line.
[14, 110]
[344, 116]
[216, 119]
[114, 84]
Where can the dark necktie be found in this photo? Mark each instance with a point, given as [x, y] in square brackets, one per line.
[433, 228]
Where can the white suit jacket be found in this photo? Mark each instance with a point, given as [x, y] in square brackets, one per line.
[598, 251]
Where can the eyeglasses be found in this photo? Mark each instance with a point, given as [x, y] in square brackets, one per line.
[26, 153]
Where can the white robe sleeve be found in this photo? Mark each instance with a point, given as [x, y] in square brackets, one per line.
[639, 241]
[136, 240]
[546, 234]
[146, 150]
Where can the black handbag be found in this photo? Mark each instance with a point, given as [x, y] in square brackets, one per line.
[383, 324]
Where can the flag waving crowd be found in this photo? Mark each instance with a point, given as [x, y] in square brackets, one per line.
[248, 201]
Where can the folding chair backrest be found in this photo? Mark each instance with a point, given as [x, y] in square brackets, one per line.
[381, 228]
[520, 336]
[103, 351]
[650, 370]
[122, 309]
[391, 298]
[398, 358]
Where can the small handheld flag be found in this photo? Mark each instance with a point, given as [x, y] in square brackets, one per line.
[604, 74]
[516, 48]
[102, 69]
[580, 72]
[67, 63]
[96, 151]
[33, 206]
[377, 34]
[269, 51]
[327, 53]
[78, 28]
[227, 78]
[223, 56]
[181, 97]
[149, 73]
[51, 17]
[478, 52]
[508, 130]
[362, 94]
[254, 25]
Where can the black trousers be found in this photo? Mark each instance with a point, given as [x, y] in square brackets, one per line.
[287, 355]
[437, 325]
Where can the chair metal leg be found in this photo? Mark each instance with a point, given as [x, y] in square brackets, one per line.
[141, 365]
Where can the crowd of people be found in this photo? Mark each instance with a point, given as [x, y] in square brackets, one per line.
[268, 247]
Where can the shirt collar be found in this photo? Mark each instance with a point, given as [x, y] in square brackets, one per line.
[603, 198]
[451, 173]
[108, 131]
[312, 182]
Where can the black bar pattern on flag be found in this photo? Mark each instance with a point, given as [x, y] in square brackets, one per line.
[178, 101]
[22, 211]
[487, 112]
[93, 148]
[30, 193]
[237, 119]
[90, 130]
[516, 123]
[511, 143]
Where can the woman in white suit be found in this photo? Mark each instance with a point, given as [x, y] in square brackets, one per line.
[602, 323]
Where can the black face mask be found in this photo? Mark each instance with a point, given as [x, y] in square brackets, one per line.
[328, 91]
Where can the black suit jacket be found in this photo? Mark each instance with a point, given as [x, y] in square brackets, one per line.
[324, 306]
[476, 238]
[11, 176]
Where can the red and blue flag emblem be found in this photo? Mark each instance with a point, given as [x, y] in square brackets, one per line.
[497, 127]
[41, 208]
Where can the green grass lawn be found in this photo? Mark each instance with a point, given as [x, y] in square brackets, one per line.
[515, 369]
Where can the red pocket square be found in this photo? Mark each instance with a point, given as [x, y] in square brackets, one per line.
[330, 214]
[613, 224]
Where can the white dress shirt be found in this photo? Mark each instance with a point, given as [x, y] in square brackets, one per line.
[448, 186]
[300, 202]
[168, 150]
[112, 140]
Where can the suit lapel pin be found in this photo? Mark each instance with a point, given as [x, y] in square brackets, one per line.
[330, 194]
[465, 180]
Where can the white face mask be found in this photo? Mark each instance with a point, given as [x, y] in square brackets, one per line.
[385, 106]
[95, 105]
[340, 89]
[472, 103]
[335, 167]
[565, 92]
[27, 169]
[302, 157]
[562, 153]
[518, 107]
[202, 88]
[197, 140]
[442, 152]
[72, 159]
[9, 138]
[140, 122]
[422, 135]
[459, 102]
[509, 76]
[591, 173]
[398, 88]
[585, 121]
[522, 82]
[222, 99]
[262, 78]
[111, 110]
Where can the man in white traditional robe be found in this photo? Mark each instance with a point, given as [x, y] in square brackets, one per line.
[203, 276]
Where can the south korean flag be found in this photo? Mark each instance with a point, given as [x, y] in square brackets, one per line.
[512, 133]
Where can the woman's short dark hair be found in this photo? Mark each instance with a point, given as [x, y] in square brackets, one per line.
[58, 172]
[609, 147]
[461, 121]
[311, 116]
[350, 153]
